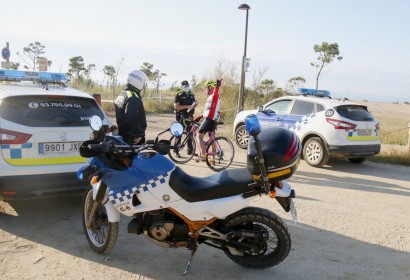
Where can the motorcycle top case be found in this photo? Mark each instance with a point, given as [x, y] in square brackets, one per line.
[281, 150]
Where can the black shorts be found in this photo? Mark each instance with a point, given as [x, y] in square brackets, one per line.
[207, 125]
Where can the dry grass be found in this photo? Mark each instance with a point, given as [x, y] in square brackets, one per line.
[393, 154]
[394, 120]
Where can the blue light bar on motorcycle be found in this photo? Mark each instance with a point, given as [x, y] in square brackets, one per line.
[40, 77]
[315, 92]
[252, 125]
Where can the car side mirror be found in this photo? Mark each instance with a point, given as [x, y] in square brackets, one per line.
[260, 108]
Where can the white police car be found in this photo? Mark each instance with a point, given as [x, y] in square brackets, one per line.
[42, 125]
[326, 127]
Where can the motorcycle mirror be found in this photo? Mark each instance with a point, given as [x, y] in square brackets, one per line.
[176, 129]
[96, 123]
[252, 125]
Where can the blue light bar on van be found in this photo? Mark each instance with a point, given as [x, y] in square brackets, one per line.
[41, 77]
[316, 92]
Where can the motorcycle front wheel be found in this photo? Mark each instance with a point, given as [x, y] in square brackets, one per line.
[271, 246]
[102, 235]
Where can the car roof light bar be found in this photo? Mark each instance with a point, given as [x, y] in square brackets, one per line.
[40, 77]
[314, 92]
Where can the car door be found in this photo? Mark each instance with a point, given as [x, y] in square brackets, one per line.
[301, 115]
[273, 114]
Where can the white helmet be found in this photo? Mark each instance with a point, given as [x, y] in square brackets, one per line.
[137, 79]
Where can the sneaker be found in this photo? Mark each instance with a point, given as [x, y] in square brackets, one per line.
[189, 151]
[201, 158]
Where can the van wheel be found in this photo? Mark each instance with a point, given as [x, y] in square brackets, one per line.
[241, 137]
[314, 152]
[357, 160]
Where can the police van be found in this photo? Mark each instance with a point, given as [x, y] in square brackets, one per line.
[42, 125]
[327, 128]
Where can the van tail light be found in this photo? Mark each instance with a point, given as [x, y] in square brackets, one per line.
[7, 193]
[293, 149]
[338, 124]
[13, 137]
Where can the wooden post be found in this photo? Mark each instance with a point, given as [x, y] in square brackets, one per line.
[97, 98]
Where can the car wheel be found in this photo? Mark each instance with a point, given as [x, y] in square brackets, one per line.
[241, 137]
[314, 152]
[357, 160]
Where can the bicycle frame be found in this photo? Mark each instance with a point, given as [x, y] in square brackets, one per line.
[212, 136]
[215, 153]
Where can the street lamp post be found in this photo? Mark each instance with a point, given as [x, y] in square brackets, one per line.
[242, 88]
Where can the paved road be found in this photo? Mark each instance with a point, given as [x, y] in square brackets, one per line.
[353, 223]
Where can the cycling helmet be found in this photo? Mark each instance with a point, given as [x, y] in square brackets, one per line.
[137, 79]
[210, 83]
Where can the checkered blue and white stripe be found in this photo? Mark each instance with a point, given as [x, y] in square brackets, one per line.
[16, 151]
[123, 194]
[299, 121]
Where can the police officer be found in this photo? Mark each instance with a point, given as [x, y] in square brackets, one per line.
[129, 109]
[184, 103]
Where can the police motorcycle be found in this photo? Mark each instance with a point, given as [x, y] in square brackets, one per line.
[174, 209]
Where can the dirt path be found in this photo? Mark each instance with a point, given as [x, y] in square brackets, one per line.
[353, 223]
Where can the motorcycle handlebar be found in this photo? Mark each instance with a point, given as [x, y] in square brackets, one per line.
[111, 147]
[98, 148]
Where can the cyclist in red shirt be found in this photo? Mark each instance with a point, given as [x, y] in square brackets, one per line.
[211, 115]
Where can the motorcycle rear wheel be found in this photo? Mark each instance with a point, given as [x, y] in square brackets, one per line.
[102, 235]
[272, 248]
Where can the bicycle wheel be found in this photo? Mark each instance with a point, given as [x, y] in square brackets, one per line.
[222, 157]
[186, 149]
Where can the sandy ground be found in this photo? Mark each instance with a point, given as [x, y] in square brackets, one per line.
[353, 223]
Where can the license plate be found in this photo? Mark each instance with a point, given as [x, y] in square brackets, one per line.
[59, 147]
[364, 132]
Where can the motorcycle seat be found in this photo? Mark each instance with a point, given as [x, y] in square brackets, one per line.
[227, 183]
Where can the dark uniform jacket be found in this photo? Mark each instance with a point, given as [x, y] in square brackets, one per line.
[184, 98]
[130, 115]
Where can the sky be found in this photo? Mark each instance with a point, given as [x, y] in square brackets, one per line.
[183, 38]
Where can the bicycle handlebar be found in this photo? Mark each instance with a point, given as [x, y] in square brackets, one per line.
[198, 123]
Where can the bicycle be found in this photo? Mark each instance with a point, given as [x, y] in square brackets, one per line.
[219, 150]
